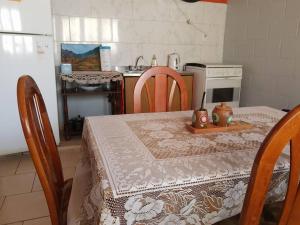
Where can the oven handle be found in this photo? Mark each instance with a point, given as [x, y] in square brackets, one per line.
[224, 78]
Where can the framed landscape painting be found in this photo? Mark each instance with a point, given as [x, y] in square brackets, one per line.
[83, 57]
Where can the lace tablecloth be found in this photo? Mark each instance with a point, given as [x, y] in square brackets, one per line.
[148, 169]
[92, 77]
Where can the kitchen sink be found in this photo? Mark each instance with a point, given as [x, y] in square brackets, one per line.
[133, 73]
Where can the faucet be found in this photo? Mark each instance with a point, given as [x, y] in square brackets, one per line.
[137, 62]
[136, 67]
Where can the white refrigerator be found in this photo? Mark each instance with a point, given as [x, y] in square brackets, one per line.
[26, 47]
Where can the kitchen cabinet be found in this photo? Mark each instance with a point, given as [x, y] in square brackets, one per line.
[130, 82]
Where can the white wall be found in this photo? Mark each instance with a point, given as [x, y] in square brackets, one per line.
[140, 27]
[264, 37]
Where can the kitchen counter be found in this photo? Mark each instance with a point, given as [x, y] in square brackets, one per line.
[137, 74]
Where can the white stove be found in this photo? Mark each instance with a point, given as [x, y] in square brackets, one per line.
[222, 83]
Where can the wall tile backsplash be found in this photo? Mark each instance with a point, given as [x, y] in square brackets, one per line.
[142, 27]
[138, 27]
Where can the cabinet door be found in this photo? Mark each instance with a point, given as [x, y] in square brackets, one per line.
[129, 90]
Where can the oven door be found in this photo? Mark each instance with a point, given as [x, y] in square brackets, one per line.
[223, 89]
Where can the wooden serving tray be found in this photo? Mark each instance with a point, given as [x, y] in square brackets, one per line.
[235, 126]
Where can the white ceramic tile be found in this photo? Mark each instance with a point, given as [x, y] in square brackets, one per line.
[123, 31]
[140, 27]
[214, 13]
[61, 28]
[57, 53]
[90, 29]
[211, 35]
[71, 8]
[121, 54]
[17, 184]
[106, 29]
[182, 34]
[115, 9]
[76, 29]
[152, 32]
[191, 54]
[183, 10]
[210, 54]
[116, 30]
[15, 208]
[151, 10]
[85, 29]
[136, 51]
[176, 11]
[188, 53]
[140, 21]
[160, 51]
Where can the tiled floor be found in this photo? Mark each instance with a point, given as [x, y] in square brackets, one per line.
[22, 201]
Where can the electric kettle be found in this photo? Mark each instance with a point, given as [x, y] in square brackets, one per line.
[174, 61]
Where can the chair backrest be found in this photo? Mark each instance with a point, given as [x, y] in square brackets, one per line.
[286, 131]
[41, 143]
[162, 102]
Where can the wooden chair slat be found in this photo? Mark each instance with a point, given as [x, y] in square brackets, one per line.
[294, 219]
[286, 130]
[41, 144]
[160, 93]
[171, 96]
[149, 97]
[161, 98]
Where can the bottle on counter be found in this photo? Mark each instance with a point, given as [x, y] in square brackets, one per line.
[154, 61]
[105, 58]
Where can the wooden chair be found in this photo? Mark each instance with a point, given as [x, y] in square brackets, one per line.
[162, 102]
[286, 131]
[41, 143]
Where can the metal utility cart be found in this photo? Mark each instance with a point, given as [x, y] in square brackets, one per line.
[91, 83]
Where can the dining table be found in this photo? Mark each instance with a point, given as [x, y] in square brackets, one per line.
[148, 168]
